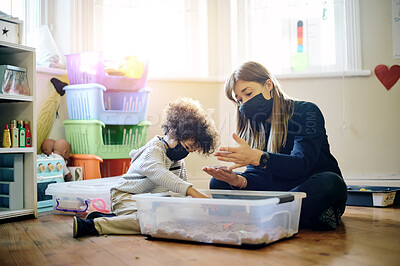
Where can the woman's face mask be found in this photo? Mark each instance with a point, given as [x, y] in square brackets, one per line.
[177, 153]
[257, 108]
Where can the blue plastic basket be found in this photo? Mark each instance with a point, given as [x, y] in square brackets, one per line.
[93, 101]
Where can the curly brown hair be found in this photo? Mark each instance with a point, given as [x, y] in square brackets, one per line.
[185, 119]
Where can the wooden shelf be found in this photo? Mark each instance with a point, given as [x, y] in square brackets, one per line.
[17, 150]
[20, 107]
[16, 98]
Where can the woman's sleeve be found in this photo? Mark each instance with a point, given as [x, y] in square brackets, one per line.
[306, 149]
[151, 165]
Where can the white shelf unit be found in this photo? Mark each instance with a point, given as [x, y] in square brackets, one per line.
[20, 107]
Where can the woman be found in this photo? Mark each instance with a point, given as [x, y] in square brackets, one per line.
[284, 145]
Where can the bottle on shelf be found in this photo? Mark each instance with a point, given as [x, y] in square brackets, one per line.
[14, 134]
[21, 134]
[28, 137]
[6, 138]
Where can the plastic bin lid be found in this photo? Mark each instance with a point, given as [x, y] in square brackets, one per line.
[84, 187]
[230, 196]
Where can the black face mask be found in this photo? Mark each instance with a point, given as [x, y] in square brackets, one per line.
[257, 108]
[177, 153]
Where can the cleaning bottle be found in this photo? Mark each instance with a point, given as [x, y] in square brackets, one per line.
[28, 137]
[6, 138]
[21, 134]
[14, 134]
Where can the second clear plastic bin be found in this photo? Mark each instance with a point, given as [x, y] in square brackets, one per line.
[93, 101]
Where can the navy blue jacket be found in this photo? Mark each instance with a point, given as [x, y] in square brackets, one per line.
[306, 152]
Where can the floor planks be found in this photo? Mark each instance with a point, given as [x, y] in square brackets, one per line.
[368, 236]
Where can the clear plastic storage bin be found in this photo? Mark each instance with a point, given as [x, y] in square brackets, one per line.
[230, 217]
[93, 101]
[88, 67]
[106, 141]
[82, 197]
[13, 80]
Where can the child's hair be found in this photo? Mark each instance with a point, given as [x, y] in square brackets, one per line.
[185, 119]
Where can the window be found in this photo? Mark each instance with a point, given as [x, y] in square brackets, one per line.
[297, 36]
[172, 34]
[207, 38]
[26, 10]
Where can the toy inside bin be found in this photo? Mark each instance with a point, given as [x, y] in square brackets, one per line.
[106, 141]
[88, 67]
[90, 164]
[93, 101]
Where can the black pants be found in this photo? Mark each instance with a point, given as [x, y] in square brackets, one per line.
[321, 209]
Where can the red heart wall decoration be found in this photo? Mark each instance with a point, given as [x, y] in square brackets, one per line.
[387, 77]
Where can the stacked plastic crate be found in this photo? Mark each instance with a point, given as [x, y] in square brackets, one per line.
[106, 113]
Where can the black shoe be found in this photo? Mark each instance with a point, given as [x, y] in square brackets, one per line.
[96, 214]
[83, 227]
[328, 220]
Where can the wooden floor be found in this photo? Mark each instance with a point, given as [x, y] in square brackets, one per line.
[368, 236]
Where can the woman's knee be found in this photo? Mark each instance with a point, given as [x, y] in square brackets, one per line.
[335, 184]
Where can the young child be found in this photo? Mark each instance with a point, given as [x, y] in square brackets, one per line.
[156, 167]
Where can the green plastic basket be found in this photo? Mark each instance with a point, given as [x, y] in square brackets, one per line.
[106, 141]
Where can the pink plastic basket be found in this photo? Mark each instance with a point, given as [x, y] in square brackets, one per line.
[88, 67]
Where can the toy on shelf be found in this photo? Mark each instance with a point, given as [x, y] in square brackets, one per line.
[22, 134]
[13, 80]
[62, 150]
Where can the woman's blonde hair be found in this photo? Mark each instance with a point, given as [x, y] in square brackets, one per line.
[254, 132]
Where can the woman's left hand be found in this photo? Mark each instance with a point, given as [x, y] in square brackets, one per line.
[241, 155]
[222, 173]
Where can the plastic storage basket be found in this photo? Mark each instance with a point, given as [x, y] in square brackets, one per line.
[108, 142]
[229, 217]
[82, 197]
[90, 164]
[88, 67]
[93, 101]
[114, 167]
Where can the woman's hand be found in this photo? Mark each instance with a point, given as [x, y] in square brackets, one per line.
[241, 155]
[194, 193]
[222, 173]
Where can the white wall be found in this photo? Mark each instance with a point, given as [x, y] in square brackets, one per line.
[367, 148]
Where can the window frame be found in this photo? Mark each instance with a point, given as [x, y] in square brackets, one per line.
[352, 58]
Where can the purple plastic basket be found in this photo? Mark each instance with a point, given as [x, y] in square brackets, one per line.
[88, 67]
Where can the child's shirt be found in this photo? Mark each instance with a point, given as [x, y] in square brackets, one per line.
[152, 171]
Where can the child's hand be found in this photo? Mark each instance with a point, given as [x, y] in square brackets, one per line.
[191, 191]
